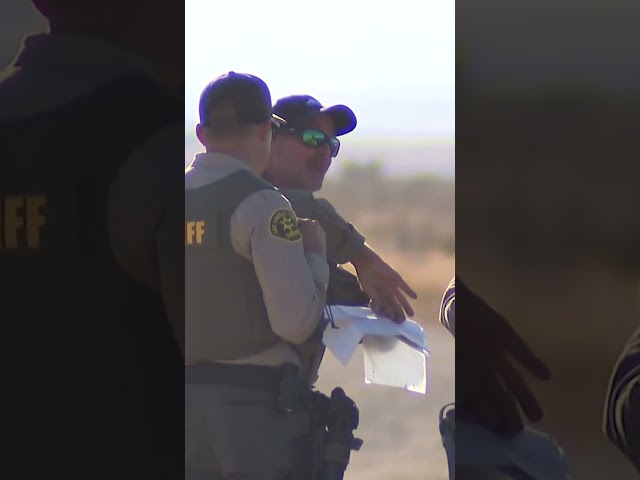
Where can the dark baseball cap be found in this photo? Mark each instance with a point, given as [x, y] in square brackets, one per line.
[50, 7]
[298, 109]
[236, 99]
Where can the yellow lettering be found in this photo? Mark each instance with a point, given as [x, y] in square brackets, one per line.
[194, 232]
[199, 232]
[190, 232]
[13, 220]
[21, 221]
[35, 219]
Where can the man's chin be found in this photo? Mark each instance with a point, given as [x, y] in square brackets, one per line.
[315, 181]
[316, 186]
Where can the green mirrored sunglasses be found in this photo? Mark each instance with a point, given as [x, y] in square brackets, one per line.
[315, 139]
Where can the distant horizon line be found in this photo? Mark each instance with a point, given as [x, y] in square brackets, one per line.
[380, 136]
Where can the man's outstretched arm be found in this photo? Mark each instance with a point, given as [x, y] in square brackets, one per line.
[345, 244]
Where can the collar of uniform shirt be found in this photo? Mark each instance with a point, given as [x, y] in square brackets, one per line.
[79, 52]
[217, 160]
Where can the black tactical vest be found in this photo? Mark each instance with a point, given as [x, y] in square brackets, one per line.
[94, 362]
[225, 314]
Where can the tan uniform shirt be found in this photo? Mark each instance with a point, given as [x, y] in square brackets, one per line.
[294, 285]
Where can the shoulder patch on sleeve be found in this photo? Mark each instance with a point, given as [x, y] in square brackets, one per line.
[284, 224]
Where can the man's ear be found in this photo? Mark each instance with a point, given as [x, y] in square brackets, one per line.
[265, 130]
[201, 133]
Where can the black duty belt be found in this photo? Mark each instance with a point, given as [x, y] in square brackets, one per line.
[244, 376]
[284, 381]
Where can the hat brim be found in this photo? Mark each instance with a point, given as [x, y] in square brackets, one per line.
[343, 118]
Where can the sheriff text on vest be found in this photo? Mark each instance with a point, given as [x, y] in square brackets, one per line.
[22, 219]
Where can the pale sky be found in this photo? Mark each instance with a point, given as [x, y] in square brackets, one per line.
[391, 62]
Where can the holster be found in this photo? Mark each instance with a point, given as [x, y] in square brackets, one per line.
[333, 421]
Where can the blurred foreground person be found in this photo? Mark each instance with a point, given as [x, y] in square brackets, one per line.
[487, 440]
[91, 282]
[621, 422]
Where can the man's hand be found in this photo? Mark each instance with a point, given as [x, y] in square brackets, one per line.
[313, 237]
[489, 388]
[384, 286]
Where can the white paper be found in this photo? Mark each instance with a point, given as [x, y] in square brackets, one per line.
[394, 354]
[342, 342]
[388, 361]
